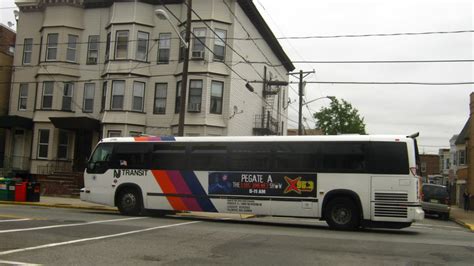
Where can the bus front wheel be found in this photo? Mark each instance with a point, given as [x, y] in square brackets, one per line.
[342, 214]
[129, 202]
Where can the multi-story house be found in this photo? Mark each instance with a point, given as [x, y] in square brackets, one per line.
[102, 68]
[7, 43]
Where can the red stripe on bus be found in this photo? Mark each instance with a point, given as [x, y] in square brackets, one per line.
[167, 187]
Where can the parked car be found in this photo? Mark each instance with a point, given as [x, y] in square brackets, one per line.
[435, 200]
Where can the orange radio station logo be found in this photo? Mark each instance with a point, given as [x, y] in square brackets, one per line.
[298, 186]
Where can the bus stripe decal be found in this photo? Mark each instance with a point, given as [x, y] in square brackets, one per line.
[167, 187]
[182, 188]
[197, 189]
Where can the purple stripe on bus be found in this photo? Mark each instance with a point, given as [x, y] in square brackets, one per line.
[182, 188]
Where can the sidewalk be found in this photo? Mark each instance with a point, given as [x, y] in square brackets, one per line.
[462, 217]
[58, 202]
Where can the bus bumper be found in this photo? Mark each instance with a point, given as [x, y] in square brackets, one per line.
[418, 213]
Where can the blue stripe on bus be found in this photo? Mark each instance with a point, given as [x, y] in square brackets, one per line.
[167, 138]
[196, 188]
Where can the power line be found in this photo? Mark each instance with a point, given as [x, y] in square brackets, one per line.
[391, 83]
[374, 35]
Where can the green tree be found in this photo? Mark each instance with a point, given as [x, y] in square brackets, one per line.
[340, 118]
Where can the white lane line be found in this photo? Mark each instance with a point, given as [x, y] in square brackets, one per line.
[14, 220]
[93, 238]
[68, 225]
[7, 262]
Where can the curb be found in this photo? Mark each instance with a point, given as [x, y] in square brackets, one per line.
[464, 224]
[60, 205]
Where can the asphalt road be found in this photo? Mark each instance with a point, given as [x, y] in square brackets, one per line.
[55, 236]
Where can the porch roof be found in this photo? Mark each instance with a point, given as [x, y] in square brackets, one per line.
[11, 121]
[75, 123]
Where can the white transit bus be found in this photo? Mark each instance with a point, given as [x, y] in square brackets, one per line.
[349, 180]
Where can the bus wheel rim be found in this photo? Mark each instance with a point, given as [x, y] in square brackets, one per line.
[341, 215]
[129, 201]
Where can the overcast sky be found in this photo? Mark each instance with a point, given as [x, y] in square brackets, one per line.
[437, 112]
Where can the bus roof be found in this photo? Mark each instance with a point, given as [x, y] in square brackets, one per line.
[389, 138]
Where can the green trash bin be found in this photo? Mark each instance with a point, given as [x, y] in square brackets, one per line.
[7, 189]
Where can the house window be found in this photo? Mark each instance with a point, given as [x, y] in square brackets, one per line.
[462, 157]
[138, 94]
[104, 96]
[121, 45]
[93, 50]
[199, 41]
[118, 90]
[107, 47]
[114, 133]
[182, 47]
[23, 97]
[43, 143]
[52, 47]
[219, 45]
[161, 90]
[177, 104]
[164, 46]
[195, 96]
[67, 96]
[48, 88]
[217, 89]
[63, 143]
[142, 46]
[89, 89]
[27, 50]
[71, 48]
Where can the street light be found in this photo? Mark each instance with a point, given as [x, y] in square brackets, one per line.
[332, 98]
[161, 14]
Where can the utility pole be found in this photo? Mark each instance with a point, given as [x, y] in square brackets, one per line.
[184, 80]
[301, 75]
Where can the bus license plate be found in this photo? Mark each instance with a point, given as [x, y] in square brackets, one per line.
[434, 201]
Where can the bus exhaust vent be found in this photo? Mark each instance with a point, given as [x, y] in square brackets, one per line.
[391, 197]
[391, 205]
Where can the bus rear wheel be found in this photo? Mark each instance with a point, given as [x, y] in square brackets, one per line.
[129, 202]
[342, 214]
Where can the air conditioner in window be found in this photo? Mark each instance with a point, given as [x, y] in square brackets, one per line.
[197, 55]
[91, 61]
[194, 107]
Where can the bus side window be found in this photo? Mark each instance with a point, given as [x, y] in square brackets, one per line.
[344, 157]
[295, 157]
[168, 156]
[208, 157]
[251, 156]
[131, 156]
[389, 158]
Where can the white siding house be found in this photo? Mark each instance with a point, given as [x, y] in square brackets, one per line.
[100, 68]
